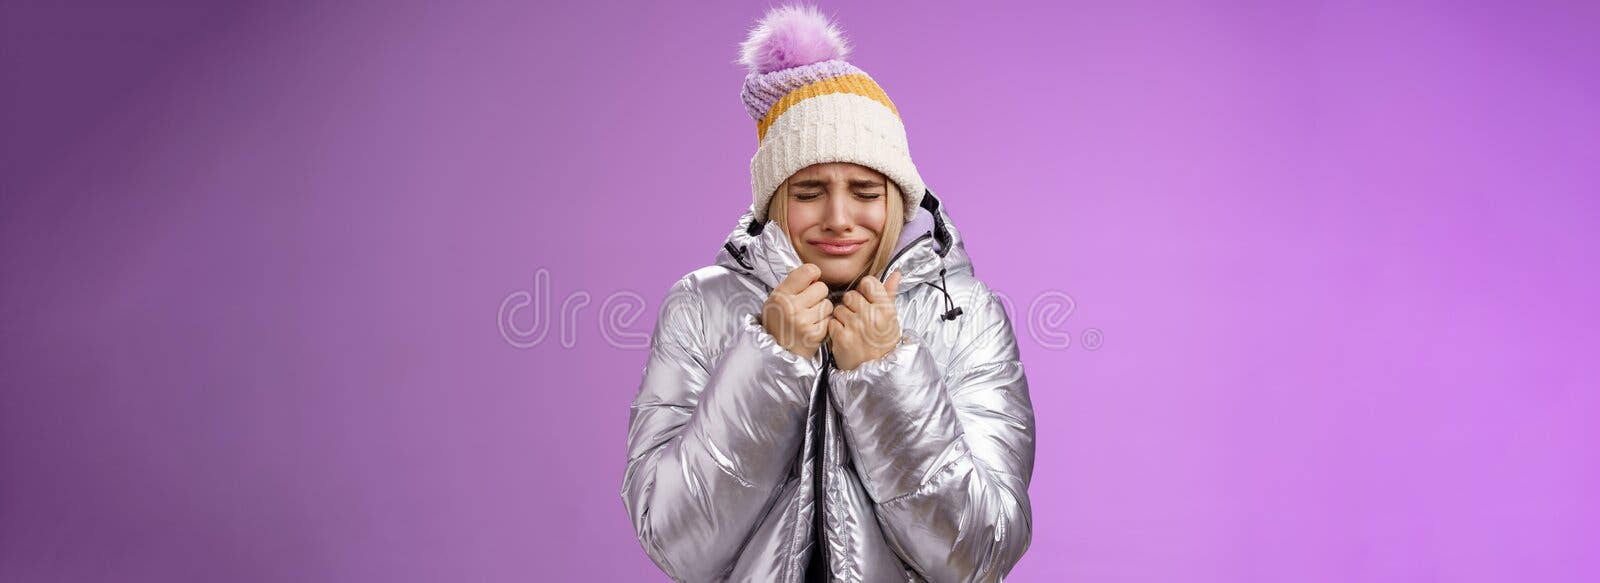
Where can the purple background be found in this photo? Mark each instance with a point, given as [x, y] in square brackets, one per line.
[254, 257]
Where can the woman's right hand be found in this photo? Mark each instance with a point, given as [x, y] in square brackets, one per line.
[796, 313]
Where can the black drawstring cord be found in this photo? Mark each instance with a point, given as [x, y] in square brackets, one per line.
[738, 254]
[951, 309]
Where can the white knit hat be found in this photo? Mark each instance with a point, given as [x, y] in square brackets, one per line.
[812, 107]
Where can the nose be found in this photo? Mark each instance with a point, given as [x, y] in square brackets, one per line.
[838, 217]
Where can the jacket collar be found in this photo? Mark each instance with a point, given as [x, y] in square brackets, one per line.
[928, 244]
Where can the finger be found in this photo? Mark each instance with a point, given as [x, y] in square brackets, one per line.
[845, 315]
[819, 311]
[816, 332]
[877, 293]
[812, 294]
[835, 329]
[867, 285]
[800, 278]
[893, 284]
[856, 301]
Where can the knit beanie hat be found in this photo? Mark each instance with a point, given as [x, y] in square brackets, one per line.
[812, 107]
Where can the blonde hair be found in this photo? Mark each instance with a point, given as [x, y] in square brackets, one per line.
[893, 223]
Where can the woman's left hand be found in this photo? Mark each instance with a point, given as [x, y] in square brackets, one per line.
[864, 325]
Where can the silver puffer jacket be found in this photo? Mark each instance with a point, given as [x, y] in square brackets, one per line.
[924, 455]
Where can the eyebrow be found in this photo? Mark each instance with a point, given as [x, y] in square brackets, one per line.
[854, 183]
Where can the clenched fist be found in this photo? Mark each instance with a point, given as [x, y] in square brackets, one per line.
[864, 325]
[797, 312]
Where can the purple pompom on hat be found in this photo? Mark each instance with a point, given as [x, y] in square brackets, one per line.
[812, 107]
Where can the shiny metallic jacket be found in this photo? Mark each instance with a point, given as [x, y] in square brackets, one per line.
[925, 454]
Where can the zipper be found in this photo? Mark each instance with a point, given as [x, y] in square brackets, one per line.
[819, 521]
[818, 469]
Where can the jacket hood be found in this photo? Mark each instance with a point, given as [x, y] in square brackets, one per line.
[930, 247]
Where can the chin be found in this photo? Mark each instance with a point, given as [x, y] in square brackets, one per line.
[839, 272]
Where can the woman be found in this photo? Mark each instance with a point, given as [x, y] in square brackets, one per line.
[837, 398]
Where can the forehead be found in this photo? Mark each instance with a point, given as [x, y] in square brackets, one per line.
[837, 171]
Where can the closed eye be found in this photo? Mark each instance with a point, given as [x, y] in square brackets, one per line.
[807, 196]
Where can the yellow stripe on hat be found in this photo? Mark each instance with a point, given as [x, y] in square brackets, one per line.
[857, 84]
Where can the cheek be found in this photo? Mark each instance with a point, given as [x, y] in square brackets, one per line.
[801, 217]
[873, 217]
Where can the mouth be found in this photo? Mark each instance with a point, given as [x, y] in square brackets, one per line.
[839, 247]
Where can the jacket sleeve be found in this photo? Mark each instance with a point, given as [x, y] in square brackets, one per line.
[710, 439]
[946, 452]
